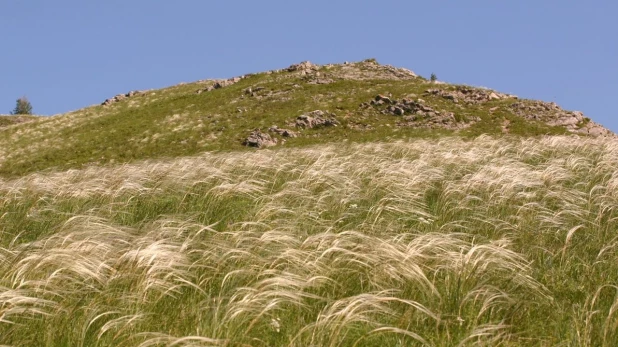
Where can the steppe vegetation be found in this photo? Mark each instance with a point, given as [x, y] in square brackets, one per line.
[180, 121]
[431, 242]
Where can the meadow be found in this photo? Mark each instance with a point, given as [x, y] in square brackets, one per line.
[497, 241]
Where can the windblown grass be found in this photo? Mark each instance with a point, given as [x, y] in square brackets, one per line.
[443, 242]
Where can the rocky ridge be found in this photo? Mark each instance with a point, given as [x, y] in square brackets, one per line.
[121, 97]
[551, 114]
[416, 112]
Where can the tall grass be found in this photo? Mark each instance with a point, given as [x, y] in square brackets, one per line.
[424, 242]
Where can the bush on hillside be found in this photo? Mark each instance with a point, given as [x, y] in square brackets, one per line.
[22, 106]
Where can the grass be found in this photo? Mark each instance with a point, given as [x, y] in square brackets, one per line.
[424, 241]
[176, 121]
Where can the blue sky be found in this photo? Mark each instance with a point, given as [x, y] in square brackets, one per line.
[64, 55]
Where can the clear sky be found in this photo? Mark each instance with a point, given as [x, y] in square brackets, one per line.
[67, 54]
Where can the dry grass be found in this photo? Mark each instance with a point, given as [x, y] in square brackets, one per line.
[425, 242]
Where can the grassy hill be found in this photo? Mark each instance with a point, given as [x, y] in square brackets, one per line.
[188, 119]
[468, 217]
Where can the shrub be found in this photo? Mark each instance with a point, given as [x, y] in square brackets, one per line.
[433, 77]
[22, 106]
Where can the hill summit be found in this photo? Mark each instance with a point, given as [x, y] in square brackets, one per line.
[299, 105]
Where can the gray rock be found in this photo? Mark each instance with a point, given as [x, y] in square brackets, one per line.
[121, 97]
[383, 99]
[304, 67]
[316, 119]
[259, 139]
[282, 132]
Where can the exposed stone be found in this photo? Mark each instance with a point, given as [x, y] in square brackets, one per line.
[321, 81]
[384, 99]
[469, 95]
[220, 84]
[121, 97]
[417, 114]
[595, 130]
[282, 132]
[370, 70]
[304, 67]
[253, 91]
[506, 126]
[551, 114]
[316, 119]
[259, 139]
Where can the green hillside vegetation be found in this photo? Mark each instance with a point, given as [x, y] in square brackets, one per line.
[147, 222]
[177, 121]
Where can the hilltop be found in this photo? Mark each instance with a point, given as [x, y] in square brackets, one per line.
[300, 105]
[354, 204]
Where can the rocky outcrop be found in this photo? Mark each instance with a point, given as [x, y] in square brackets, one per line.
[595, 130]
[253, 91]
[121, 97]
[552, 114]
[364, 70]
[415, 113]
[282, 132]
[368, 69]
[258, 139]
[469, 95]
[305, 67]
[220, 84]
[316, 119]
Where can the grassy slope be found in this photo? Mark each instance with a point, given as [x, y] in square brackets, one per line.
[388, 236]
[176, 121]
[421, 242]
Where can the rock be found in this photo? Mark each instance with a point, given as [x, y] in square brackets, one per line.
[120, 97]
[399, 111]
[468, 94]
[506, 126]
[259, 139]
[282, 132]
[321, 81]
[384, 99]
[578, 115]
[597, 130]
[304, 67]
[418, 115]
[220, 84]
[551, 114]
[315, 119]
[253, 91]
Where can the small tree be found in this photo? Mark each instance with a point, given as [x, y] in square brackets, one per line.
[22, 106]
[433, 77]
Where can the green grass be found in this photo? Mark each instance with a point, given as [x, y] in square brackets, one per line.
[177, 121]
[449, 241]
[147, 223]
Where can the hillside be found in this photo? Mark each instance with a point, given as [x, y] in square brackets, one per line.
[378, 209]
[357, 102]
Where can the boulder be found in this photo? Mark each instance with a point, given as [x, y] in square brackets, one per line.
[316, 119]
[469, 95]
[383, 99]
[220, 84]
[304, 67]
[258, 139]
[121, 97]
[282, 132]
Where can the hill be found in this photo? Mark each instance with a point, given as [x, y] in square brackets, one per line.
[374, 214]
[358, 102]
